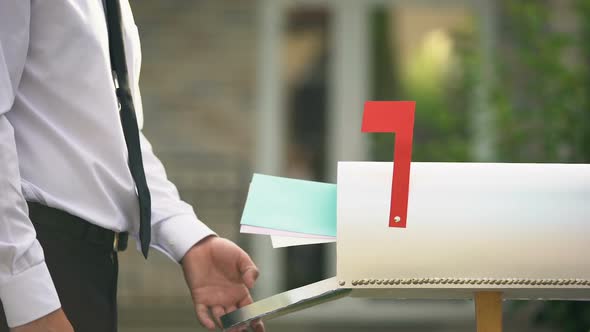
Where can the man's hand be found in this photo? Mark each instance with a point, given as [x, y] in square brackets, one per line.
[53, 322]
[219, 275]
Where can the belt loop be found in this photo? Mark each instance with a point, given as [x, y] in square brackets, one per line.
[116, 242]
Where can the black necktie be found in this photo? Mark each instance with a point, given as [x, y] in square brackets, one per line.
[129, 120]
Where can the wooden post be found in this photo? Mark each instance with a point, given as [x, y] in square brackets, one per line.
[488, 311]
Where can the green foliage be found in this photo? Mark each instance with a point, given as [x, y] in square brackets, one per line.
[541, 95]
[542, 104]
[438, 85]
[583, 9]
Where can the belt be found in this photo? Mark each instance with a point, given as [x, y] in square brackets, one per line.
[76, 227]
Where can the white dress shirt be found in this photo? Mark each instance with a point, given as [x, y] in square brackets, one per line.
[61, 143]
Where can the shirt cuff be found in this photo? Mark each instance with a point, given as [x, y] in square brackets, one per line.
[176, 235]
[28, 296]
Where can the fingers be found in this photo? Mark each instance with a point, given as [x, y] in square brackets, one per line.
[248, 270]
[231, 308]
[245, 301]
[249, 277]
[240, 328]
[204, 318]
[257, 325]
[218, 311]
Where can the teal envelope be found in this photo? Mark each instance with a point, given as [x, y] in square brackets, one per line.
[291, 205]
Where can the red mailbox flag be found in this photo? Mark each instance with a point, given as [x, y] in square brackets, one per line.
[395, 117]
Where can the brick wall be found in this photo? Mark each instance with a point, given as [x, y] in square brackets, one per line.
[197, 85]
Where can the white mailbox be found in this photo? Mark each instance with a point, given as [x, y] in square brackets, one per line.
[519, 230]
[522, 229]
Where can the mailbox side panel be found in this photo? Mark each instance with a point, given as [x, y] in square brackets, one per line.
[522, 228]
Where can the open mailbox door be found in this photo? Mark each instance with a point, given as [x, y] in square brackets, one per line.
[520, 230]
[285, 303]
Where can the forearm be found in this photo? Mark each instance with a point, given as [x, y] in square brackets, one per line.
[54, 321]
[175, 226]
[26, 288]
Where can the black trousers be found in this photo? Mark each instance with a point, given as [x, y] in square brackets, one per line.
[85, 276]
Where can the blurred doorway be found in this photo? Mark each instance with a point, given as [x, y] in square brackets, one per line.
[305, 59]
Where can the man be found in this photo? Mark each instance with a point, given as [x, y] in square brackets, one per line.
[77, 176]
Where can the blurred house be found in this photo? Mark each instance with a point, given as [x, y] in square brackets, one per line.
[277, 87]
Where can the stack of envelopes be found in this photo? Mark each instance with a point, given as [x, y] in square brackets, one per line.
[293, 212]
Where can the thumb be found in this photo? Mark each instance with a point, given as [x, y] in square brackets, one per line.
[248, 270]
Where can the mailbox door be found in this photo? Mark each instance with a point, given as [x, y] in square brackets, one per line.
[285, 303]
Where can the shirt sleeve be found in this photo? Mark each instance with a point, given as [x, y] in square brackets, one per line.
[175, 226]
[26, 289]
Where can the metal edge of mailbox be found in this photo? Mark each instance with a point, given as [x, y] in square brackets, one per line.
[286, 302]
